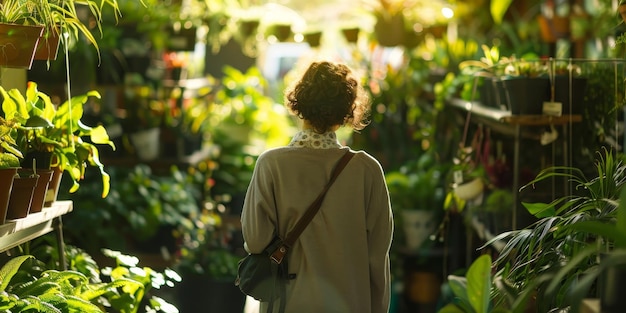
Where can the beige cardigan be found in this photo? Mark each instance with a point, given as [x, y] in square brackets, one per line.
[341, 260]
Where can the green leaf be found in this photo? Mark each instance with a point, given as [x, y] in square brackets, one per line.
[498, 9]
[479, 283]
[36, 288]
[37, 121]
[540, 210]
[451, 308]
[458, 285]
[10, 269]
[621, 213]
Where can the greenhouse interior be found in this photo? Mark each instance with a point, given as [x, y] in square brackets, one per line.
[133, 128]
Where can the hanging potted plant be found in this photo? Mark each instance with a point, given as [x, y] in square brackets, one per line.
[351, 34]
[313, 38]
[467, 177]
[48, 45]
[19, 33]
[389, 27]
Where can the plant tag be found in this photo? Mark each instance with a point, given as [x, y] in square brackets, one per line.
[552, 108]
[458, 177]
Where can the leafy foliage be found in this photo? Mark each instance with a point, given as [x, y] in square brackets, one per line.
[527, 262]
[206, 248]
[124, 287]
[141, 204]
[59, 130]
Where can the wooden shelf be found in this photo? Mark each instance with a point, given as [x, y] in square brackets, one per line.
[17, 231]
[504, 116]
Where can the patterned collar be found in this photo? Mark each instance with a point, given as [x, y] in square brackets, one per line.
[310, 139]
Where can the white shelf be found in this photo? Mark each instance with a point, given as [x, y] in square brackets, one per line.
[17, 231]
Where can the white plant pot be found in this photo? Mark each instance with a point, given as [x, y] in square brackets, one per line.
[147, 143]
[418, 225]
[470, 190]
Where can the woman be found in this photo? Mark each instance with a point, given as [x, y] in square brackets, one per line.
[340, 263]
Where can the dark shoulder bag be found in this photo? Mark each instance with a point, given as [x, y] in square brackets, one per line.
[264, 275]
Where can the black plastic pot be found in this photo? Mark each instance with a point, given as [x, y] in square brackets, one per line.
[202, 294]
[526, 95]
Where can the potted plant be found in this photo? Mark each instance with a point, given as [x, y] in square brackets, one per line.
[48, 18]
[565, 233]
[143, 118]
[141, 213]
[467, 177]
[390, 20]
[417, 193]
[64, 139]
[19, 32]
[207, 261]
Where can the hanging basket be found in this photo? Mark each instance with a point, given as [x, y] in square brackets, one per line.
[18, 44]
[470, 190]
[390, 31]
[282, 32]
[48, 45]
[351, 34]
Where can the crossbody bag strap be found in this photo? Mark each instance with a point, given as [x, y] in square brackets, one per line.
[302, 223]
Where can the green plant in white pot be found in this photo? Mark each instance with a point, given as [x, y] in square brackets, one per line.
[417, 192]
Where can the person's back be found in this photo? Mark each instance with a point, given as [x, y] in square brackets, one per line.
[340, 262]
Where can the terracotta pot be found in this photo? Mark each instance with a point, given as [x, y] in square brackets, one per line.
[6, 184]
[48, 45]
[423, 287]
[21, 196]
[351, 34]
[18, 44]
[39, 194]
[53, 187]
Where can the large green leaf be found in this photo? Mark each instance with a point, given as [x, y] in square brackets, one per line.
[479, 283]
[10, 269]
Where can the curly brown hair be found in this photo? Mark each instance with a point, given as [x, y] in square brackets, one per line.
[327, 95]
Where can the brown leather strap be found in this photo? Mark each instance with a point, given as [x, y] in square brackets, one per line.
[278, 255]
